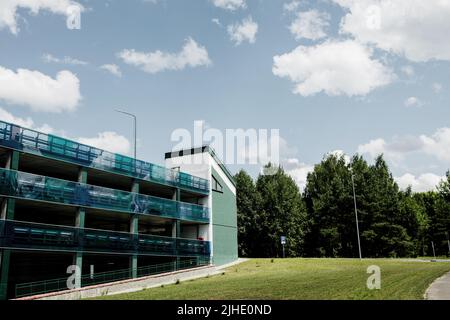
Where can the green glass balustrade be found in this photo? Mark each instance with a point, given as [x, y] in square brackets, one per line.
[27, 235]
[31, 141]
[34, 187]
[52, 285]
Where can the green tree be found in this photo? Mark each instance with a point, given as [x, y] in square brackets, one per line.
[329, 200]
[427, 200]
[321, 222]
[248, 214]
[283, 213]
[388, 221]
[440, 222]
[413, 217]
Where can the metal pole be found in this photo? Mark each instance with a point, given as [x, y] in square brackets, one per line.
[135, 129]
[448, 243]
[135, 137]
[434, 252]
[356, 217]
[283, 252]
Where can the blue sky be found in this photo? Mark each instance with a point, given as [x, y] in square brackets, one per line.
[352, 76]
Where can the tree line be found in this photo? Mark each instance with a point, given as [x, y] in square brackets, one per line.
[320, 220]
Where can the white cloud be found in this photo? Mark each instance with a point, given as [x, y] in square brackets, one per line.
[112, 68]
[287, 159]
[230, 4]
[45, 128]
[336, 68]
[298, 171]
[39, 91]
[110, 141]
[244, 31]
[339, 154]
[437, 145]
[278, 152]
[373, 147]
[437, 87]
[408, 71]
[9, 15]
[291, 6]
[26, 123]
[424, 182]
[415, 29]
[395, 150]
[8, 117]
[191, 55]
[310, 25]
[413, 102]
[216, 21]
[49, 58]
[258, 149]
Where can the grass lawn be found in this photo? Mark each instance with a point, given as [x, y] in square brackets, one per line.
[303, 279]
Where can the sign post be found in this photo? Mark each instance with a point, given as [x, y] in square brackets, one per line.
[448, 243]
[283, 242]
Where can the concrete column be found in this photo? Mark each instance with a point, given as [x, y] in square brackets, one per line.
[13, 160]
[80, 215]
[176, 229]
[134, 229]
[11, 163]
[4, 208]
[80, 218]
[7, 209]
[4, 272]
[81, 212]
[7, 213]
[78, 262]
[82, 175]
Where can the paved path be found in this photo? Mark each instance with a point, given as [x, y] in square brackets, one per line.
[439, 289]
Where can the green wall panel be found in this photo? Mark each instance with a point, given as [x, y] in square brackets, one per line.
[225, 244]
[225, 247]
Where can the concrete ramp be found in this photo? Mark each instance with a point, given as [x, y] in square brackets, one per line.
[129, 285]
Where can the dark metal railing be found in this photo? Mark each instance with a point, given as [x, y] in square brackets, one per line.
[34, 187]
[28, 235]
[34, 142]
[53, 285]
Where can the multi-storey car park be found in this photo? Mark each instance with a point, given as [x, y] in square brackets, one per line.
[66, 204]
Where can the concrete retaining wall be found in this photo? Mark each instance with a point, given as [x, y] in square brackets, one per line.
[130, 285]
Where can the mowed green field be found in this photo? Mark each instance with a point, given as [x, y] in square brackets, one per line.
[303, 279]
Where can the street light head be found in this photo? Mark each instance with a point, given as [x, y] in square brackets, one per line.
[124, 112]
